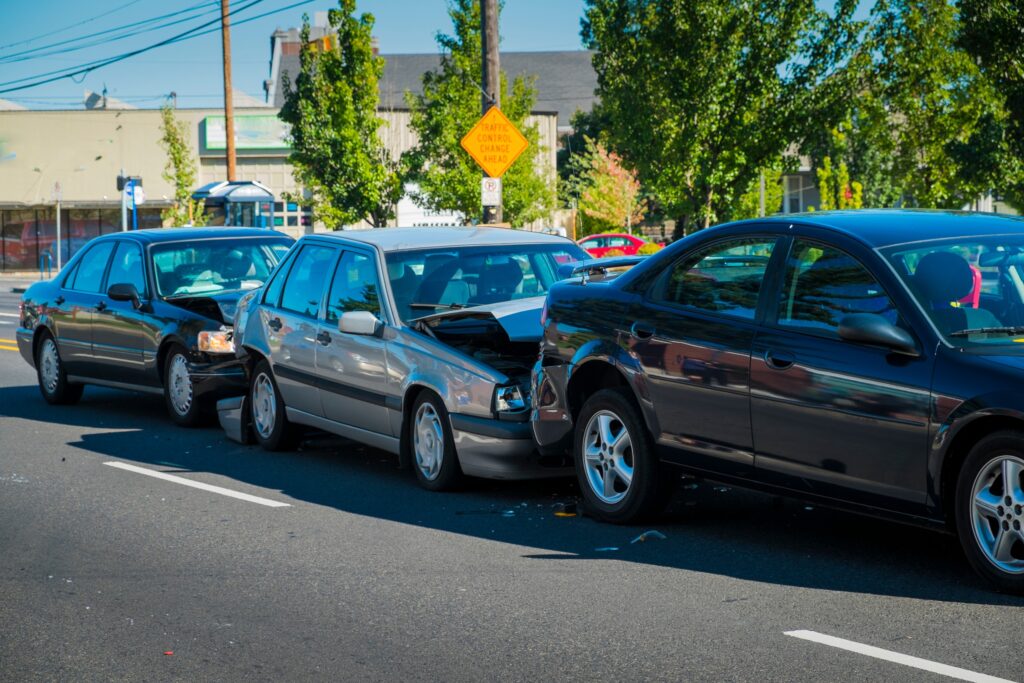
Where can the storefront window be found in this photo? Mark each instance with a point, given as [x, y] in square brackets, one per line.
[21, 244]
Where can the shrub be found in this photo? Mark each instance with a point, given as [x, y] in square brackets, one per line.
[613, 252]
[648, 248]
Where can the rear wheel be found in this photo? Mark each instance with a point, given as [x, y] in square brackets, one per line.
[53, 381]
[617, 468]
[990, 509]
[431, 444]
[270, 424]
[179, 393]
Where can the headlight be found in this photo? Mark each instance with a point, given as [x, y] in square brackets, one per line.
[508, 399]
[216, 342]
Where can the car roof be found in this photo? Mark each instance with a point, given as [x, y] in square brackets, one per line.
[402, 239]
[157, 235]
[888, 227]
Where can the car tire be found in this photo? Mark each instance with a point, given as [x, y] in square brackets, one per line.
[989, 515]
[267, 417]
[53, 381]
[179, 392]
[616, 464]
[431, 444]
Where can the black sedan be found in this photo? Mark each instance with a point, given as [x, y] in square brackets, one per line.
[870, 360]
[148, 310]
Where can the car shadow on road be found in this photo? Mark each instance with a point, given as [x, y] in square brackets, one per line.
[709, 528]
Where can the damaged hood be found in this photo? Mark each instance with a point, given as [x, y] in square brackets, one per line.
[217, 306]
[519, 318]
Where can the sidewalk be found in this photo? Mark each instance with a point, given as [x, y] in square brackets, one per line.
[17, 282]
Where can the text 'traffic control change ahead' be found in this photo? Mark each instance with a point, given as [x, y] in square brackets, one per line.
[494, 143]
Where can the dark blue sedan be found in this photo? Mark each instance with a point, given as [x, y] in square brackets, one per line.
[871, 360]
[148, 310]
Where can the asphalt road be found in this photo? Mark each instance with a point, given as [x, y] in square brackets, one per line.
[363, 576]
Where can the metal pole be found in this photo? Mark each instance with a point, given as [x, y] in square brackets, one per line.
[124, 204]
[229, 105]
[135, 209]
[58, 236]
[491, 76]
[760, 206]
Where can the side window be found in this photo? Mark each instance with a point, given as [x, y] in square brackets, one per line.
[89, 276]
[355, 287]
[724, 278]
[272, 295]
[618, 242]
[306, 280]
[823, 284]
[127, 268]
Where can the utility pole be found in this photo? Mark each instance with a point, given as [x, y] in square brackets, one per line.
[229, 105]
[491, 75]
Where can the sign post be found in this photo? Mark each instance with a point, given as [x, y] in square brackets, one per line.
[58, 194]
[494, 143]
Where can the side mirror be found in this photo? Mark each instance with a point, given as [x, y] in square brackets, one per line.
[869, 328]
[125, 292]
[359, 322]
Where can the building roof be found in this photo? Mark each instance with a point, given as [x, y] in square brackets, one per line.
[565, 80]
[888, 227]
[402, 239]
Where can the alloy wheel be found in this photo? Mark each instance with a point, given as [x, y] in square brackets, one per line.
[264, 406]
[49, 365]
[180, 385]
[428, 441]
[997, 513]
[608, 457]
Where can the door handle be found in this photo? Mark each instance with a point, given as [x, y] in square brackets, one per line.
[101, 306]
[59, 300]
[641, 331]
[323, 338]
[779, 360]
[274, 324]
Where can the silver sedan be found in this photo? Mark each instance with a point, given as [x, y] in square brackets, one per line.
[419, 341]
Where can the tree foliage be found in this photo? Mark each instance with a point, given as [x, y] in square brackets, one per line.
[703, 94]
[449, 106]
[749, 203]
[610, 192]
[180, 172]
[337, 153]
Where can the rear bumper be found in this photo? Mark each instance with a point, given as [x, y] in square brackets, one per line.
[500, 449]
[221, 378]
[24, 338]
[551, 417]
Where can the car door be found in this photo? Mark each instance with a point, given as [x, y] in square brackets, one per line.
[830, 416]
[79, 300]
[290, 325]
[119, 329]
[692, 335]
[353, 368]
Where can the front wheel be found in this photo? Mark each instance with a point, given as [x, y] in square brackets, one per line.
[430, 441]
[53, 381]
[179, 393]
[990, 509]
[617, 468]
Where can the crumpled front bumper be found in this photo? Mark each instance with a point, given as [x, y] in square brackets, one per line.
[219, 378]
[551, 417]
[501, 449]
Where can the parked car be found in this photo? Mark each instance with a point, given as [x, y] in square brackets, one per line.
[418, 341]
[600, 245]
[148, 310]
[827, 356]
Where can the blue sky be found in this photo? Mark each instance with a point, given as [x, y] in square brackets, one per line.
[192, 68]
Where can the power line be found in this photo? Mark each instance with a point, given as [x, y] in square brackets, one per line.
[71, 72]
[65, 28]
[107, 35]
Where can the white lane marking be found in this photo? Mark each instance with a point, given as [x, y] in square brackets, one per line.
[198, 485]
[898, 658]
[8, 315]
[6, 322]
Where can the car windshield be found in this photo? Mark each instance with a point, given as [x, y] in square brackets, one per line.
[971, 288]
[430, 280]
[214, 266]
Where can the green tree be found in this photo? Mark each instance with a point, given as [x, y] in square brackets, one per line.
[337, 153]
[703, 94]
[749, 203]
[610, 192]
[448, 178]
[180, 171]
[991, 31]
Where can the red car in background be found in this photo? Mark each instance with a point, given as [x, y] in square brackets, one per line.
[599, 245]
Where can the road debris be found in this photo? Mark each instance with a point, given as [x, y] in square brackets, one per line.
[649, 536]
[606, 549]
[565, 510]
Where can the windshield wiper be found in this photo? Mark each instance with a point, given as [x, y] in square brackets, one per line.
[988, 330]
[450, 307]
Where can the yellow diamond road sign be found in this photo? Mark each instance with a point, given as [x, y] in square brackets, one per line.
[494, 143]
